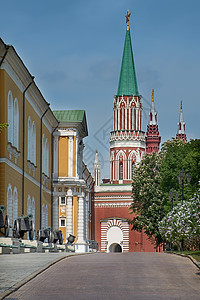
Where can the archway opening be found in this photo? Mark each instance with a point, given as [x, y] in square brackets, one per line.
[115, 248]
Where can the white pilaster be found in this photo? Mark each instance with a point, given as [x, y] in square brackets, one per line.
[86, 216]
[69, 213]
[81, 225]
[70, 164]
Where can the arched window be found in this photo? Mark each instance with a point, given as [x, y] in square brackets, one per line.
[132, 168]
[43, 216]
[15, 204]
[33, 209]
[43, 155]
[29, 205]
[122, 118]
[33, 144]
[10, 207]
[121, 171]
[29, 138]
[46, 216]
[47, 156]
[133, 118]
[10, 117]
[16, 124]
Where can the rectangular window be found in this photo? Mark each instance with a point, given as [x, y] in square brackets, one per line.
[62, 223]
[63, 200]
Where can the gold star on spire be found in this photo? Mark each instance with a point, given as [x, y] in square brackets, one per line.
[127, 19]
[181, 106]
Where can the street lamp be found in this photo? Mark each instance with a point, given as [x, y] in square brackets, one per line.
[181, 177]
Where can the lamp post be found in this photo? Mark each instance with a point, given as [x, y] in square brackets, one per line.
[181, 176]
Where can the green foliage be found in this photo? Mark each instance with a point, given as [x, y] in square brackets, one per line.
[155, 177]
[148, 198]
[2, 126]
[183, 222]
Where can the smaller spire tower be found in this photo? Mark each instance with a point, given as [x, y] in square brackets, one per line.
[181, 126]
[97, 170]
[152, 136]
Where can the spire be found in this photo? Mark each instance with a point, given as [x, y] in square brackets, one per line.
[181, 125]
[153, 113]
[152, 136]
[96, 170]
[127, 80]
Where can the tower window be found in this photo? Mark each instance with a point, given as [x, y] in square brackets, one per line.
[122, 118]
[121, 171]
[132, 169]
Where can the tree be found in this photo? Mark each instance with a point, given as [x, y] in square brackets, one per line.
[178, 155]
[148, 198]
[2, 126]
[153, 180]
[183, 222]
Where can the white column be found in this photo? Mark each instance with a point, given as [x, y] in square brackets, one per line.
[70, 164]
[55, 213]
[86, 216]
[69, 213]
[77, 157]
[81, 223]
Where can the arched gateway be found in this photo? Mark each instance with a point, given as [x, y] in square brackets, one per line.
[114, 235]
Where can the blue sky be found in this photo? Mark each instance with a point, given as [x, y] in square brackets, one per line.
[74, 50]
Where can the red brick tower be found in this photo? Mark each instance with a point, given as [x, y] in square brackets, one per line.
[127, 146]
[127, 140]
[152, 136]
[181, 126]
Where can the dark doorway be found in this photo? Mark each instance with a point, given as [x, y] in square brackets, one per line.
[115, 248]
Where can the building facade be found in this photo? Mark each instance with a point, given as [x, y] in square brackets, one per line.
[72, 182]
[25, 152]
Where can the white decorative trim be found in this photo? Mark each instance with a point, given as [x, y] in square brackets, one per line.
[123, 225]
[116, 204]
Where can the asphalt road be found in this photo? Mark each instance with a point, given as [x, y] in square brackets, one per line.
[116, 276]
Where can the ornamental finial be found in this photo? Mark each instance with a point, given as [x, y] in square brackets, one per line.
[152, 95]
[181, 106]
[127, 19]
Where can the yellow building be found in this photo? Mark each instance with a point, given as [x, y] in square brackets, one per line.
[72, 182]
[25, 152]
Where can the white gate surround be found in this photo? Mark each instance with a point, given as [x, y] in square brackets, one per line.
[114, 230]
[114, 236]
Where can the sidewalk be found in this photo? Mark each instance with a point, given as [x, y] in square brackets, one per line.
[17, 269]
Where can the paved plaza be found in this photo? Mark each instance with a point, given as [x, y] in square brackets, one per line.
[137, 276]
[17, 269]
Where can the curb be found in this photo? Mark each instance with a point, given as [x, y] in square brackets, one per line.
[187, 256]
[34, 274]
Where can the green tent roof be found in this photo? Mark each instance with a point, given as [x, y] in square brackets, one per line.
[127, 80]
[73, 116]
[69, 115]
